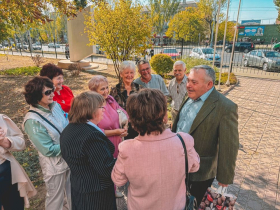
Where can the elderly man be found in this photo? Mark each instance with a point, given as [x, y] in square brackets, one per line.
[177, 87]
[211, 119]
[148, 80]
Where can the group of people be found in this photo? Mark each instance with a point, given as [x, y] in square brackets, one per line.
[92, 144]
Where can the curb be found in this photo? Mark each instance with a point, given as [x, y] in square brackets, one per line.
[233, 86]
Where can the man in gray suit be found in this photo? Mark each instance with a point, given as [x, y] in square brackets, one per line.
[211, 119]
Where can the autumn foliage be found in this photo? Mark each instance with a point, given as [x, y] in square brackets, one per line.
[121, 30]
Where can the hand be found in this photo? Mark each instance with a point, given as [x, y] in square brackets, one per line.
[223, 185]
[124, 134]
[120, 131]
[4, 142]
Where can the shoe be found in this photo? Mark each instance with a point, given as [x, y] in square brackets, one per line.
[118, 194]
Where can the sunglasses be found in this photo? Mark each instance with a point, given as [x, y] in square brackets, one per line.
[48, 92]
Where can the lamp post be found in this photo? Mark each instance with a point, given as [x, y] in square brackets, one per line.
[223, 49]
[233, 45]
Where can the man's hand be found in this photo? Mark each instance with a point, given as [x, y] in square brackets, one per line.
[223, 185]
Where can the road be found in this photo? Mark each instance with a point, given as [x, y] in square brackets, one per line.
[49, 53]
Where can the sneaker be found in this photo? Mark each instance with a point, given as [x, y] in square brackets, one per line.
[118, 194]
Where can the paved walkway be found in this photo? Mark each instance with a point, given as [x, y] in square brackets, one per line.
[257, 180]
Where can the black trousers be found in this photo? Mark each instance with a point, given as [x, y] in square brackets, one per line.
[198, 189]
[9, 194]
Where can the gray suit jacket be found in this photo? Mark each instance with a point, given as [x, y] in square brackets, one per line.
[216, 140]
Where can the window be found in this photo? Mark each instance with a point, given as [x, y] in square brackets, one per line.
[253, 53]
[260, 54]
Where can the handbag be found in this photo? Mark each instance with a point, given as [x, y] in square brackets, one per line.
[123, 120]
[191, 203]
[219, 199]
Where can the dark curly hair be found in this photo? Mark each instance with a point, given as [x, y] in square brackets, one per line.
[33, 90]
[146, 110]
[51, 70]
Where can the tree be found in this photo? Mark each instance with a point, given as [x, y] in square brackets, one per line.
[186, 25]
[21, 12]
[120, 29]
[161, 12]
[209, 9]
[230, 30]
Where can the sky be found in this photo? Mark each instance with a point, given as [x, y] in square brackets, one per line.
[264, 10]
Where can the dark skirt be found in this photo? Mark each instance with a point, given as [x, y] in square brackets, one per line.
[99, 200]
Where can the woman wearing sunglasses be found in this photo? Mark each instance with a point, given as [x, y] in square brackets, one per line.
[43, 124]
[62, 94]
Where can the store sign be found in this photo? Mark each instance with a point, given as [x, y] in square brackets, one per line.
[254, 30]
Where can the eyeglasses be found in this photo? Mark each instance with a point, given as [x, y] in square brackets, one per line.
[147, 69]
[48, 92]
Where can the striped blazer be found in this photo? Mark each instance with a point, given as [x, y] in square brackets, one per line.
[89, 155]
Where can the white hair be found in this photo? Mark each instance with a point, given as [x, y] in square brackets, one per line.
[127, 64]
[95, 81]
[178, 63]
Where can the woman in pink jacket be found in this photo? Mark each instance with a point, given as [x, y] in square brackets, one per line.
[153, 162]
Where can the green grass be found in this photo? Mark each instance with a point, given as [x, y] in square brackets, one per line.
[30, 70]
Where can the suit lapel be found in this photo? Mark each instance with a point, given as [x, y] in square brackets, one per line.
[205, 110]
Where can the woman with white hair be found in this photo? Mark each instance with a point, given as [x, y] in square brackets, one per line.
[125, 88]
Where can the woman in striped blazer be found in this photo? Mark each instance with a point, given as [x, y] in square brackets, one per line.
[89, 154]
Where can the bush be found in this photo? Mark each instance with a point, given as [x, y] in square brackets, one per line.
[75, 69]
[191, 62]
[30, 70]
[37, 59]
[162, 64]
[224, 77]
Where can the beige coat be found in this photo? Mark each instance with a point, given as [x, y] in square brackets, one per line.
[25, 186]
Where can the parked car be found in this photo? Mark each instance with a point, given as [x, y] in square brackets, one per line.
[220, 42]
[22, 47]
[268, 60]
[276, 47]
[172, 52]
[206, 54]
[241, 47]
[36, 47]
[51, 45]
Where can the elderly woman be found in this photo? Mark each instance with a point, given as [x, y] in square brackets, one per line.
[126, 87]
[153, 162]
[62, 94]
[110, 123]
[15, 186]
[43, 124]
[89, 154]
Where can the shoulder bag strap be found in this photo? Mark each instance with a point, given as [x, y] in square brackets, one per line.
[45, 120]
[186, 162]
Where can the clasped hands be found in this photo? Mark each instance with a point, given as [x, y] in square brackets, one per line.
[4, 142]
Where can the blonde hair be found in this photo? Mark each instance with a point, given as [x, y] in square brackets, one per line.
[95, 81]
[84, 105]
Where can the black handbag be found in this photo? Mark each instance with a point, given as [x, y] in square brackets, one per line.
[191, 203]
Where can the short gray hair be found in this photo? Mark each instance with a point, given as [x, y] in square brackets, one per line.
[127, 64]
[95, 81]
[141, 62]
[210, 72]
[178, 63]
